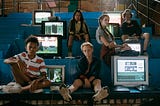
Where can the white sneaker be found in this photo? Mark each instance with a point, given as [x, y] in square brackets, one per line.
[101, 94]
[64, 91]
[12, 88]
[38, 91]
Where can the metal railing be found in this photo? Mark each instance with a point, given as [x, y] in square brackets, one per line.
[140, 7]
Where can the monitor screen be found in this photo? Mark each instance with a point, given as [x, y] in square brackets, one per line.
[49, 46]
[54, 28]
[115, 16]
[55, 73]
[40, 15]
[130, 71]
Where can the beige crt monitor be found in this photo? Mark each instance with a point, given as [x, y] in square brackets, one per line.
[130, 71]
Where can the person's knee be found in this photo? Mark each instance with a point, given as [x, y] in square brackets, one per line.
[47, 83]
[77, 83]
[86, 37]
[146, 36]
[97, 81]
[124, 37]
[70, 40]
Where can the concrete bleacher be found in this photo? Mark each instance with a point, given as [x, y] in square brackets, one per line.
[11, 28]
[18, 25]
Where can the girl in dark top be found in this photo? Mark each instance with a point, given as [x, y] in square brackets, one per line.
[78, 30]
[130, 28]
[87, 76]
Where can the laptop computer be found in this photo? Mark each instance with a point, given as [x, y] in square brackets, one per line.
[135, 46]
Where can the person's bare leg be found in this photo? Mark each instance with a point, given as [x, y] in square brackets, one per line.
[124, 37]
[76, 84]
[146, 41]
[18, 73]
[70, 42]
[39, 84]
[86, 37]
[97, 85]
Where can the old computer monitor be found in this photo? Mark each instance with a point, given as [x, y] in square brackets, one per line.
[54, 28]
[130, 71]
[56, 74]
[49, 46]
[40, 15]
[115, 16]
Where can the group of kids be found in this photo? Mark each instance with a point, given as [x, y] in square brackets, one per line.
[29, 70]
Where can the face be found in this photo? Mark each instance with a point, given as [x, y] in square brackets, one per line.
[77, 16]
[104, 21]
[87, 50]
[31, 48]
[127, 16]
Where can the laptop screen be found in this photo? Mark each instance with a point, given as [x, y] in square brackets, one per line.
[135, 46]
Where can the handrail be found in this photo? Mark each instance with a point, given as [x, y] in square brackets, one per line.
[149, 10]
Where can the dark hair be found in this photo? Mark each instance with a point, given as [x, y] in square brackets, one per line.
[125, 11]
[73, 21]
[33, 39]
[78, 11]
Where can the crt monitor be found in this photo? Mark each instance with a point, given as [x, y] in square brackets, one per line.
[49, 46]
[55, 74]
[54, 28]
[115, 16]
[130, 71]
[40, 15]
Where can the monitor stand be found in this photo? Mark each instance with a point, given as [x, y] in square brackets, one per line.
[143, 87]
[121, 88]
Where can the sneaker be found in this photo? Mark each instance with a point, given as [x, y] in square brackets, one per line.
[12, 87]
[144, 52]
[64, 91]
[37, 91]
[101, 94]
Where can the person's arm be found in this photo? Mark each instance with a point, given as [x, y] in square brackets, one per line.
[43, 69]
[96, 67]
[123, 29]
[11, 60]
[138, 28]
[85, 28]
[81, 68]
[70, 28]
[104, 41]
[80, 73]
[107, 43]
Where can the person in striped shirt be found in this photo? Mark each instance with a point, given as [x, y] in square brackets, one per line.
[28, 69]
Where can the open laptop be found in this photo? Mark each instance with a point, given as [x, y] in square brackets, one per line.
[134, 44]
